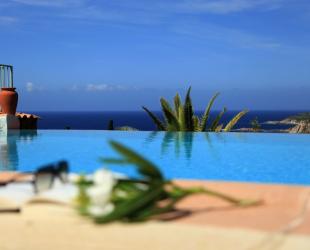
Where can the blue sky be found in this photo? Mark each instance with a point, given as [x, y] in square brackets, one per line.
[120, 54]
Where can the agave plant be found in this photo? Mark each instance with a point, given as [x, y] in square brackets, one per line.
[182, 118]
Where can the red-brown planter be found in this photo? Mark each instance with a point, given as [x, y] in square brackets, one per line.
[8, 100]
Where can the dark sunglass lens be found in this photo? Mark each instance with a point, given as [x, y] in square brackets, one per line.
[43, 181]
[63, 169]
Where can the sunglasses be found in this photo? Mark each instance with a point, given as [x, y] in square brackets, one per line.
[44, 177]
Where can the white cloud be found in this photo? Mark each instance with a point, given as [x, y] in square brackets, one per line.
[233, 37]
[7, 20]
[29, 86]
[108, 87]
[161, 11]
[74, 88]
[225, 6]
[176, 15]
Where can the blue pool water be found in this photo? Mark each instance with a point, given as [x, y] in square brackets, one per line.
[249, 157]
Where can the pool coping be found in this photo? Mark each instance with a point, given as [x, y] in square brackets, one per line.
[284, 208]
[283, 219]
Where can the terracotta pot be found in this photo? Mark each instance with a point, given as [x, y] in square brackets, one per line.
[8, 100]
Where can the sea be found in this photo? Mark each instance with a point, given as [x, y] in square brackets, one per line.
[98, 120]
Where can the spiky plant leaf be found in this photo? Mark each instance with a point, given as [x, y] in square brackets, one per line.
[145, 167]
[165, 105]
[206, 114]
[196, 123]
[172, 121]
[182, 119]
[234, 120]
[188, 111]
[177, 105]
[157, 121]
[217, 120]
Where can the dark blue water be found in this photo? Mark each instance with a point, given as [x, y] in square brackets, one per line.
[141, 121]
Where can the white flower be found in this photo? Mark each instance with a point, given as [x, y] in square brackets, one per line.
[105, 178]
[74, 178]
[101, 211]
[99, 195]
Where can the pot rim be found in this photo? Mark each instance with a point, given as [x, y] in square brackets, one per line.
[8, 89]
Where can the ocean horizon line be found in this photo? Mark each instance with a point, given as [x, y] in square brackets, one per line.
[159, 110]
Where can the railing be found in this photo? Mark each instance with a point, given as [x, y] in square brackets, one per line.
[6, 76]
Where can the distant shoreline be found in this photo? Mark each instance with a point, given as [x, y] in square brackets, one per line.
[98, 120]
[300, 123]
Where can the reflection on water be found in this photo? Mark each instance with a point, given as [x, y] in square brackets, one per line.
[182, 142]
[175, 140]
[9, 159]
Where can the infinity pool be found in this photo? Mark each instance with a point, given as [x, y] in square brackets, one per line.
[249, 157]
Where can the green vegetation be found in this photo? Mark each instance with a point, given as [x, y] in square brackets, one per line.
[301, 117]
[182, 118]
[133, 200]
[123, 128]
[255, 124]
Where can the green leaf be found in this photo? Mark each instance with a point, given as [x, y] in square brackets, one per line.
[127, 189]
[130, 206]
[206, 114]
[196, 123]
[144, 166]
[217, 120]
[177, 105]
[188, 111]
[172, 121]
[152, 210]
[182, 119]
[234, 120]
[113, 161]
[157, 121]
[219, 128]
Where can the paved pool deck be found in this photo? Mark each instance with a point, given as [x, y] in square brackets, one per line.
[281, 222]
